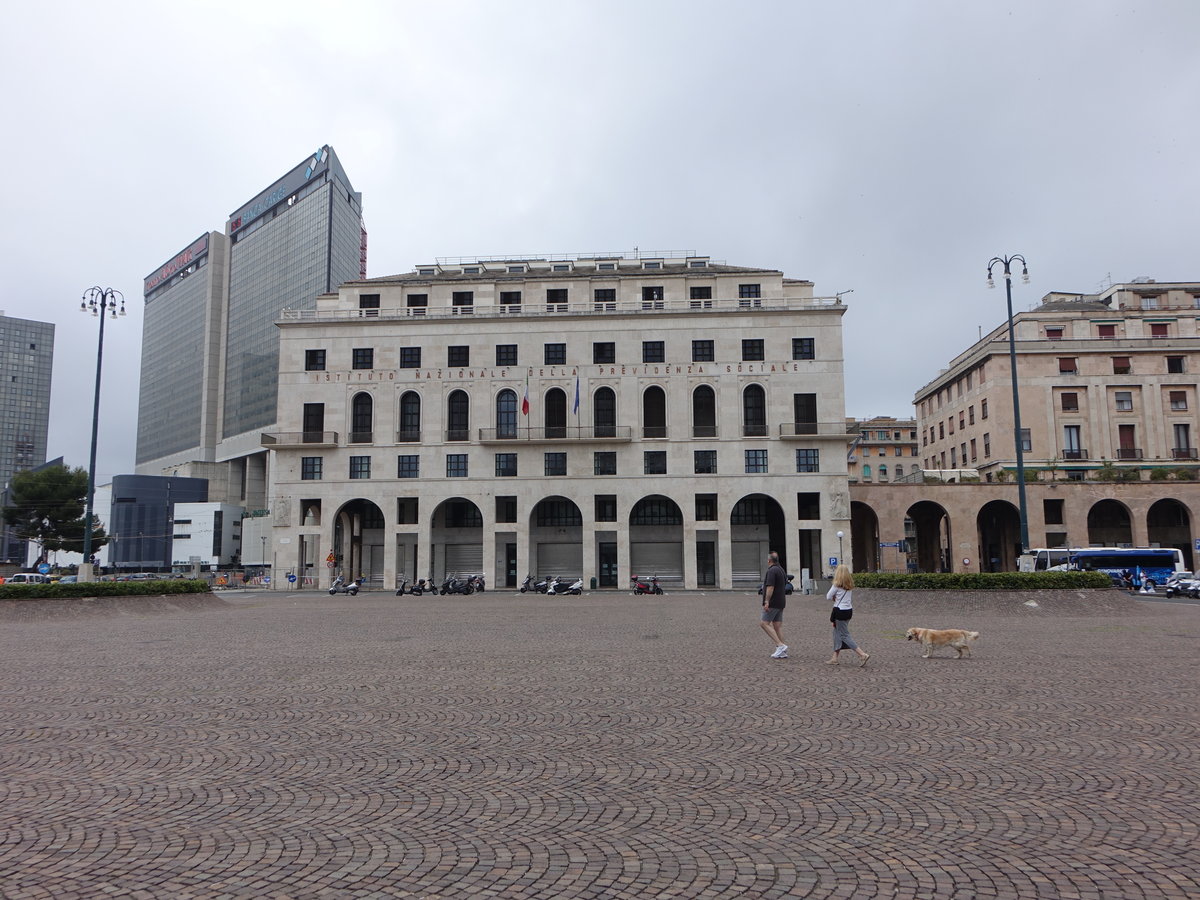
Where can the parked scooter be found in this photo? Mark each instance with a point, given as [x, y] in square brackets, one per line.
[527, 584]
[555, 587]
[455, 585]
[1185, 584]
[646, 587]
[417, 589]
[477, 583]
[542, 586]
[576, 588]
[339, 586]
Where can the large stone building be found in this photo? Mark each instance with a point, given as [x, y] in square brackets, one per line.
[594, 417]
[882, 449]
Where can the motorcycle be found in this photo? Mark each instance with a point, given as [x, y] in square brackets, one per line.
[339, 586]
[417, 589]
[576, 588]
[527, 584]
[552, 588]
[477, 583]
[646, 587]
[455, 585]
[1185, 584]
[542, 586]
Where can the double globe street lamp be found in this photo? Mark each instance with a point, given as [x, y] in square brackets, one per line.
[102, 303]
[1006, 262]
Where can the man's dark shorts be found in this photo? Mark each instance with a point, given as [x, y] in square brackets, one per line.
[772, 614]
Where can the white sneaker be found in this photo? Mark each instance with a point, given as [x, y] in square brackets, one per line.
[782, 654]
[780, 651]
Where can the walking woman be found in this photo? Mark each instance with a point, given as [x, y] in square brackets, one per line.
[842, 594]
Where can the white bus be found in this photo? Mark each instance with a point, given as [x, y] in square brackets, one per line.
[1155, 562]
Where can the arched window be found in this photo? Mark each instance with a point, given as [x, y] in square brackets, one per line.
[866, 473]
[704, 412]
[654, 413]
[506, 414]
[882, 472]
[458, 416]
[556, 413]
[604, 412]
[410, 417]
[754, 411]
[360, 418]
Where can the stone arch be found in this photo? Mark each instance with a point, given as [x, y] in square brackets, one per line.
[1109, 524]
[756, 526]
[931, 536]
[864, 537]
[357, 541]
[1169, 524]
[556, 538]
[656, 538]
[455, 539]
[999, 525]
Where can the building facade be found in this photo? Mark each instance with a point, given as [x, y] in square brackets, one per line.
[1107, 386]
[882, 449]
[26, 364]
[141, 523]
[206, 534]
[594, 417]
[210, 347]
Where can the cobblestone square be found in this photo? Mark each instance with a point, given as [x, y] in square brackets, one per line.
[503, 745]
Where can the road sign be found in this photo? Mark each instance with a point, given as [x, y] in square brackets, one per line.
[833, 560]
[44, 568]
[889, 544]
[266, 579]
[292, 579]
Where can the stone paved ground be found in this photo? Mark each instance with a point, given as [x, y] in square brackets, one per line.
[274, 745]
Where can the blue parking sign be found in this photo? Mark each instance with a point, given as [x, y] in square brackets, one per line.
[833, 560]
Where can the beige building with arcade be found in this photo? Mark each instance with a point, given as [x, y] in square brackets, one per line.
[581, 417]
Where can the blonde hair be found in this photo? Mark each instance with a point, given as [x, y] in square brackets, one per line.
[843, 579]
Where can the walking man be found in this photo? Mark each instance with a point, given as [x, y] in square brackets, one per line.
[774, 599]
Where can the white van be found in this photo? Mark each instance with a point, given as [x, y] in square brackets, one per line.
[26, 578]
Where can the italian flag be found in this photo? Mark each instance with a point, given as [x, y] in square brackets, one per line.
[525, 400]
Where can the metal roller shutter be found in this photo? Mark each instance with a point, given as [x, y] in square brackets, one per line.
[662, 558]
[749, 562]
[464, 559]
[559, 559]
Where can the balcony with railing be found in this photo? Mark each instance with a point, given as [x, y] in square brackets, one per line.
[408, 436]
[1184, 453]
[1075, 453]
[530, 434]
[362, 437]
[281, 439]
[1129, 453]
[816, 430]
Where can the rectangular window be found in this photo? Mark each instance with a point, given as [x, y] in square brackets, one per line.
[310, 470]
[749, 290]
[654, 462]
[1123, 400]
[606, 507]
[970, 415]
[604, 462]
[1106, 332]
[804, 348]
[313, 423]
[604, 352]
[368, 304]
[804, 413]
[973, 454]
[987, 445]
[554, 354]
[808, 460]
[462, 298]
[314, 360]
[556, 300]
[410, 357]
[1158, 329]
[1052, 511]
[700, 293]
[506, 354]
[1175, 365]
[702, 351]
[511, 300]
[458, 356]
[756, 462]
[1121, 365]
[605, 299]
[363, 358]
[752, 350]
[983, 410]
[652, 297]
[506, 465]
[556, 463]
[705, 462]
[417, 302]
[653, 352]
[1070, 402]
[506, 508]
[706, 507]
[360, 467]
[1068, 365]
[408, 465]
[808, 505]
[456, 465]
[1178, 400]
[1026, 441]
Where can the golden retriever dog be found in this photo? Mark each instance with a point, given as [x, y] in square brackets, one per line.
[931, 638]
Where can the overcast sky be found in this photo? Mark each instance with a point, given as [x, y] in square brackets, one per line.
[889, 148]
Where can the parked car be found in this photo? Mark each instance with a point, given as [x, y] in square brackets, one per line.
[68, 579]
[26, 578]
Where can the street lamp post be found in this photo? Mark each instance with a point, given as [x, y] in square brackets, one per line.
[97, 301]
[1007, 262]
[841, 559]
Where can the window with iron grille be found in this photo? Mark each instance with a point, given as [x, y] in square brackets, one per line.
[752, 350]
[363, 358]
[653, 352]
[554, 354]
[408, 465]
[606, 507]
[756, 461]
[314, 360]
[556, 463]
[456, 465]
[702, 351]
[655, 462]
[604, 352]
[804, 348]
[310, 469]
[458, 356]
[506, 465]
[705, 462]
[506, 354]
[749, 290]
[808, 460]
[410, 357]
[360, 467]
[604, 462]
[561, 513]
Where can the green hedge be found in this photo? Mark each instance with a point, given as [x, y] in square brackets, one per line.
[982, 581]
[102, 589]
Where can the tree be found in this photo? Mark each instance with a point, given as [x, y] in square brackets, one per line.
[48, 505]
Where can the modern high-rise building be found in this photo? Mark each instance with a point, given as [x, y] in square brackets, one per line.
[26, 361]
[210, 346]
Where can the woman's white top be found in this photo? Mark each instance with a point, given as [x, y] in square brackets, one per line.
[842, 598]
